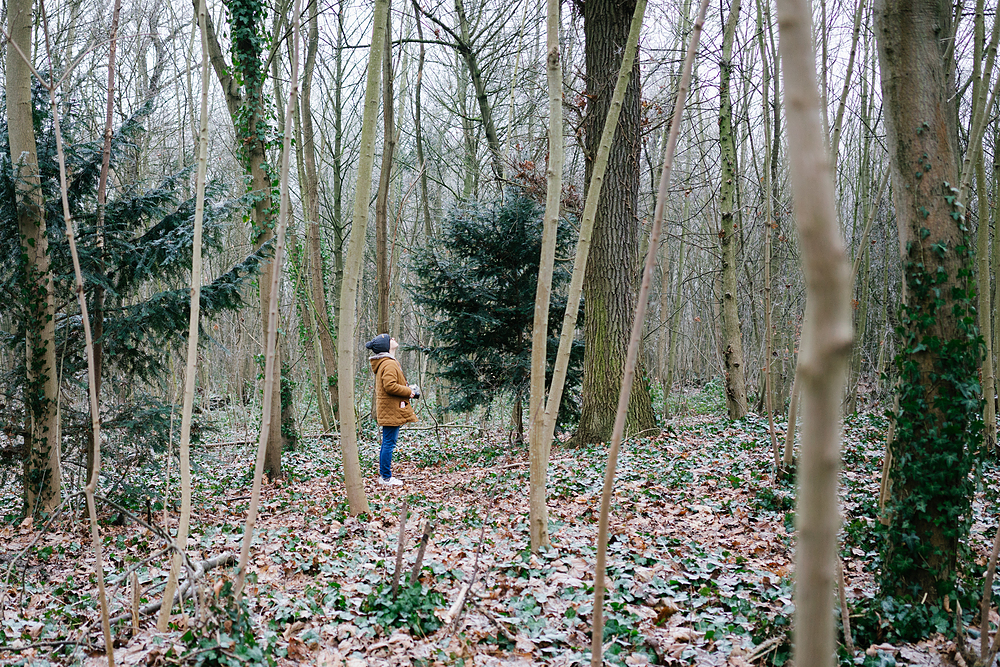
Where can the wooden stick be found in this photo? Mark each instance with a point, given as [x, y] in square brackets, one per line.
[400, 544]
[424, 539]
[845, 613]
[134, 599]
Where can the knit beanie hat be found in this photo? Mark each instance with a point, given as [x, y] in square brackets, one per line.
[379, 343]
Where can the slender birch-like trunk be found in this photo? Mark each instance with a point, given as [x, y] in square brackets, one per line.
[385, 175]
[352, 270]
[980, 81]
[310, 191]
[675, 321]
[190, 369]
[102, 198]
[23, 14]
[826, 340]
[768, 233]
[425, 207]
[538, 519]
[635, 338]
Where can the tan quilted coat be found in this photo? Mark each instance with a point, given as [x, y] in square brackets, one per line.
[392, 394]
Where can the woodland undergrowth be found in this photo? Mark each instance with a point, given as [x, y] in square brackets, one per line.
[700, 558]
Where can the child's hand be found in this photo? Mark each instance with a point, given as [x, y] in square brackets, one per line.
[402, 404]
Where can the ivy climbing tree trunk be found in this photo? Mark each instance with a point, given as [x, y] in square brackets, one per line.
[611, 280]
[729, 233]
[937, 425]
[42, 467]
[243, 86]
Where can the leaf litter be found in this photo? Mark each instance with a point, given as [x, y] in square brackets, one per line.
[699, 560]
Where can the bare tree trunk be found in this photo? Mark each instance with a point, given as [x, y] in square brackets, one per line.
[97, 313]
[983, 256]
[635, 337]
[385, 175]
[983, 241]
[609, 286]
[190, 369]
[826, 341]
[996, 247]
[768, 233]
[425, 207]
[732, 334]
[352, 270]
[310, 191]
[538, 513]
[272, 356]
[42, 478]
[465, 48]
[309, 337]
[675, 323]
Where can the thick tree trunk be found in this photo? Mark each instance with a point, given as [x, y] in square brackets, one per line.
[732, 334]
[42, 479]
[937, 425]
[251, 101]
[612, 271]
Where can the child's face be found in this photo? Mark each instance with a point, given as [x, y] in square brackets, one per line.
[393, 344]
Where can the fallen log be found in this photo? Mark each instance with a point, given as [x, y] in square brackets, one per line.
[199, 571]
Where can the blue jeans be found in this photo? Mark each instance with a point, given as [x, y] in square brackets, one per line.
[389, 435]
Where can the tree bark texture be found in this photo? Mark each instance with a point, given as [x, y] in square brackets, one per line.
[538, 512]
[385, 175]
[311, 196]
[826, 341]
[250, 102]
[42, 480]
[983, 240]
[352, 271]
[936, 423]
[612, 271]
[729, 234]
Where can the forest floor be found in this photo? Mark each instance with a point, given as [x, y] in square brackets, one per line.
[700, 559]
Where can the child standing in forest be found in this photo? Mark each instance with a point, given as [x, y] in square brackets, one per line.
[392, 401]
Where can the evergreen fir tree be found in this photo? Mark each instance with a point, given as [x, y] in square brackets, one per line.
[146, 260]
[477, 280]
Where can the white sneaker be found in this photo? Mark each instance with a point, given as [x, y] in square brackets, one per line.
[392, 481]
